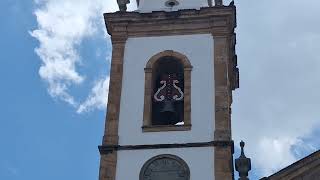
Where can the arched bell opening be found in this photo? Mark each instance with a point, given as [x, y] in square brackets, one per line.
[168, 92]
[167, 96]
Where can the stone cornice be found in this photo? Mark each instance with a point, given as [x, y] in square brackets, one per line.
[219, 21]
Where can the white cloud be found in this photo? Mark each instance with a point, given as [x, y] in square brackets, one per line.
[98, 96]
[62, 26]
[304, 147]
[274, 154]
[277, 103]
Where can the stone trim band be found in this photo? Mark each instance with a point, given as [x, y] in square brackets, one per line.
[106, 149]
[217, 20]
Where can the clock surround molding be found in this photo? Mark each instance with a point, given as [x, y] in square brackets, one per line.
[168, 157]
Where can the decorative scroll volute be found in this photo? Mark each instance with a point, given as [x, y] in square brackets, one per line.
[169, 90]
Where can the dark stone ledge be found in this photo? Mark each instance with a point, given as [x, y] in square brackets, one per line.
[106, 149]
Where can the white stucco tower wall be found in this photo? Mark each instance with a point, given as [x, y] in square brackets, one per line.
[199, 50]
[138, 51]
[200, 161]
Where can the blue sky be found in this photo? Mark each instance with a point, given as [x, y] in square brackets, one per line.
[42, 137]
[52, 121]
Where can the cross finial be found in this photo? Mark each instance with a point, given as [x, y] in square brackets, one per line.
[218, 2]
[123, 4]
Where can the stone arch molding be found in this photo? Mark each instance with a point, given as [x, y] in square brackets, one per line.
[184, 60]
[149, 71]
[178, 168]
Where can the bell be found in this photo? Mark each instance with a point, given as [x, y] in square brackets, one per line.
[168, 108]
[168, 113]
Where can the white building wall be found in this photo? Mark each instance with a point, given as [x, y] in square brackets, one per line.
[158, 5]
[200, 161]
[199, 50]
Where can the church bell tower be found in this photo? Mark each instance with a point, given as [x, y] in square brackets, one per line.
[173, 71]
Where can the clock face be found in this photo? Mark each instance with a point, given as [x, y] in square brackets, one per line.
[165, 167]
